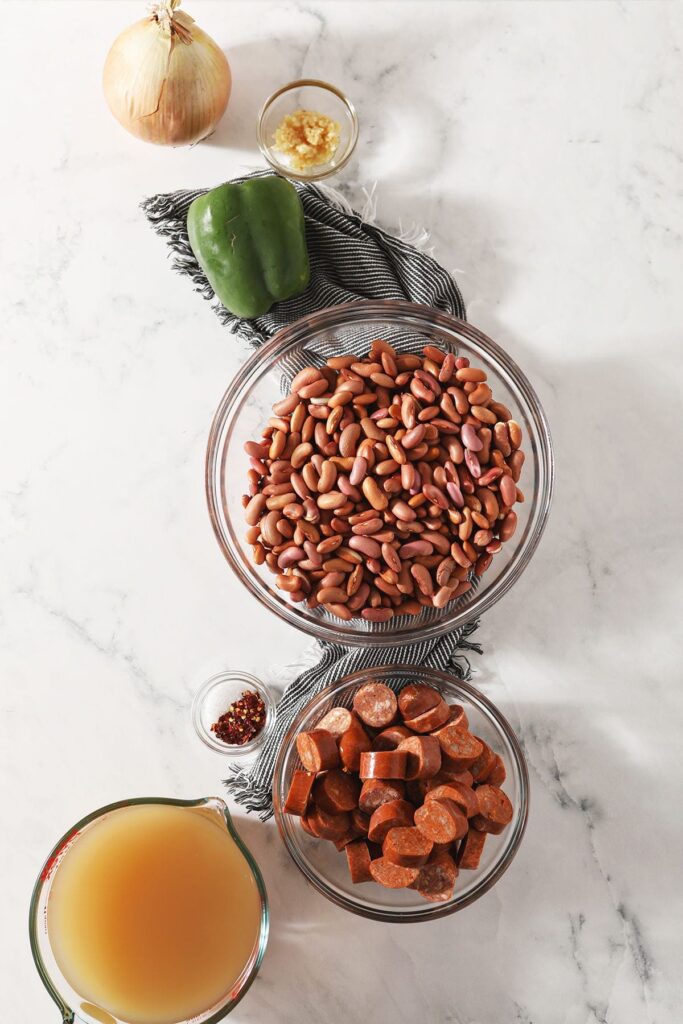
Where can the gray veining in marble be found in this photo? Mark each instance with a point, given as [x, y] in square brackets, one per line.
[542, 145]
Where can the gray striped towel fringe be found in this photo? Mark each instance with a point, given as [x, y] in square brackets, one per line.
[351, 260]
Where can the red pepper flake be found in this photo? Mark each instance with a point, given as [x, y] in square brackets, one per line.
[243, 720]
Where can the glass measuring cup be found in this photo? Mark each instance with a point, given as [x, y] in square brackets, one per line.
[74, 1007]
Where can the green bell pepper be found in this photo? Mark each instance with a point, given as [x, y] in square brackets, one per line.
[250, 241]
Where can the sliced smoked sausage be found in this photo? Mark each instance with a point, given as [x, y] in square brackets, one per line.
[336, 721]
[376, 792]
[415, 699]
[328, 826]
[459, 748]
[431, 719]
[407, 802]
[441, 821]
[424, 756]
[390, 738]
[383, 764]
[408, 847]
[470, 850]
[336, 791]
[457, 716]
[299, 792]
[376, 705]
[436, 879]
[448, 774]
[360, 821]
[392, 876]
[462, 796]
[317, 750]
[497, 774]
[307, 826]
[495, 810]
[358, 860]
[348, 837]
[484, 763]
[352, 744]
[395, 814]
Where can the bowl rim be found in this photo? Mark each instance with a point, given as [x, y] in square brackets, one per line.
[266, 149]
[420, 315]
[431, 911]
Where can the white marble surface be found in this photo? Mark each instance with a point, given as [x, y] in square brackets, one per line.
[543, 145]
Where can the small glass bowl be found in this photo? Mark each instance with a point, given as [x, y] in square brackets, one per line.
[264, 379]
[327, 870]
[215, 697]
[307, 94]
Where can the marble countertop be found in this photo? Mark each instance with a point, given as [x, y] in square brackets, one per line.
[542, 144]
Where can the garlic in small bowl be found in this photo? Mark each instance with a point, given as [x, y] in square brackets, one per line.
[307, 130]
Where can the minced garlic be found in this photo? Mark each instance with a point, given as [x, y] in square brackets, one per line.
[307, 138]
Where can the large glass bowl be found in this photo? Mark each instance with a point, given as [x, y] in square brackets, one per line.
[326, 869]
[264, 379]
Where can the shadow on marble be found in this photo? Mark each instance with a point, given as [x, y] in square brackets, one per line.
[258, 69]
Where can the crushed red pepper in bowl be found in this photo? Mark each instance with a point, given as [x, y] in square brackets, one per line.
[243, 720]
[233, 712]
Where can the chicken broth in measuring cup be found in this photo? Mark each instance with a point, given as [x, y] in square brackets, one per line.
[154, 913]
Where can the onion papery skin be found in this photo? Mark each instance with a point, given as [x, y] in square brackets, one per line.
[163, 90]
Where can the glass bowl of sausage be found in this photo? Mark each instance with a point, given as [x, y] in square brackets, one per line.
[327, 869]
[479, 579]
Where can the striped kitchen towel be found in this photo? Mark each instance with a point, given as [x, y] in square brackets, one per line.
[351, 259]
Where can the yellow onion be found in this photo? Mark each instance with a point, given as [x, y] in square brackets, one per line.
[165, 80]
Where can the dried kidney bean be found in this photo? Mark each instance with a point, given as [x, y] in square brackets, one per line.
[394, 450]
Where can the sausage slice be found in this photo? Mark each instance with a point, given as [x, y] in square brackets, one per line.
[408, 847]
[484, 763]
[395, 814]
[459, 747]
[360, 821]
[415, 699]
[448, 774]
[347, 838]
[430, 720]
[336, 721]
[436, 879]
[336, 791]
[376, 792]
[376, 705]
[424, 756]
[358, 860]
[328, 826]
[299, 792]
[352, 744]
[383, 764]
[392, 876]
[470, 850]
[307, 826]
[497, 774]
[441, 821]
[462, 796]
[495, 810]
[317, 750]
[390, 738]
[458, 716]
